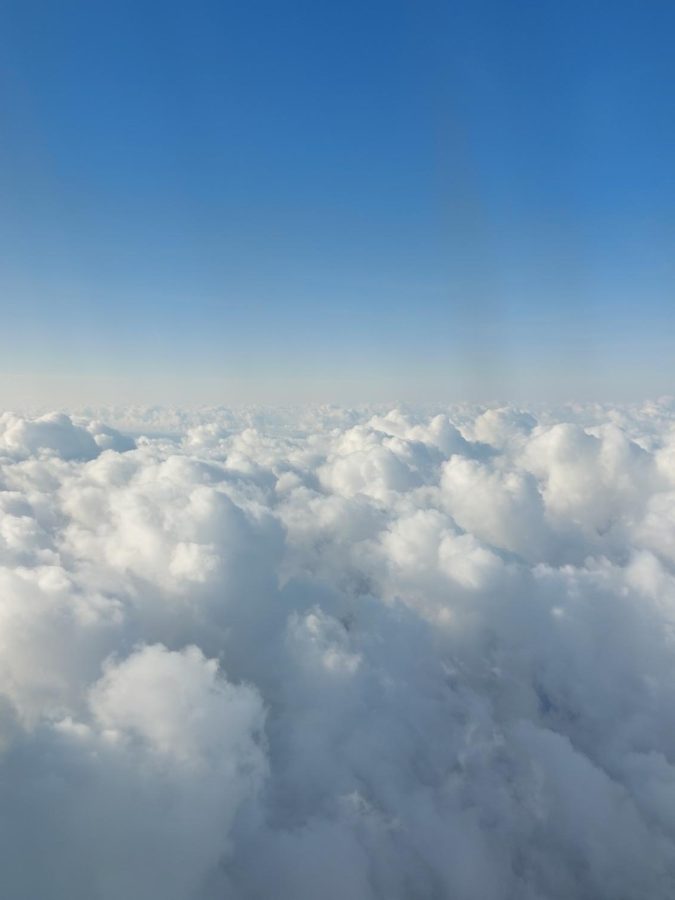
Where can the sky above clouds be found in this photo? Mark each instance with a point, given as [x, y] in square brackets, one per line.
[381, 653]
[336, 201]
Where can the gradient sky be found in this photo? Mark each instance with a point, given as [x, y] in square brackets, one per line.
[373, 200]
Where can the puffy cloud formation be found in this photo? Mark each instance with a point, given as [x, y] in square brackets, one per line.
[410, 653]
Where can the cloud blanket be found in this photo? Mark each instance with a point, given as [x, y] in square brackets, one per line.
[408, 653]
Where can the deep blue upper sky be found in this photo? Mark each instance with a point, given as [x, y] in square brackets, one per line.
[400, 198]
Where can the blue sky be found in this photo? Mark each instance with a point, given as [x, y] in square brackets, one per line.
[312, 200]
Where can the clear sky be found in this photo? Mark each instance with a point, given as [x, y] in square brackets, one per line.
[336, 200]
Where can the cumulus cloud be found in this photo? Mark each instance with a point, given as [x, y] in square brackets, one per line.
[370, 653]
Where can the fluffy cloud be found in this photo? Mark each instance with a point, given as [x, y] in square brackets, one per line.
[351, 653]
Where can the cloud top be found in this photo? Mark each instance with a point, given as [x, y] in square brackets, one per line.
[382, 653]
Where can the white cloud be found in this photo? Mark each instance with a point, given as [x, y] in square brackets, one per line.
[358, 653]
[56, 434]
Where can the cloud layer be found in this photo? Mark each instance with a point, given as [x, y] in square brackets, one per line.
[341, 653]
